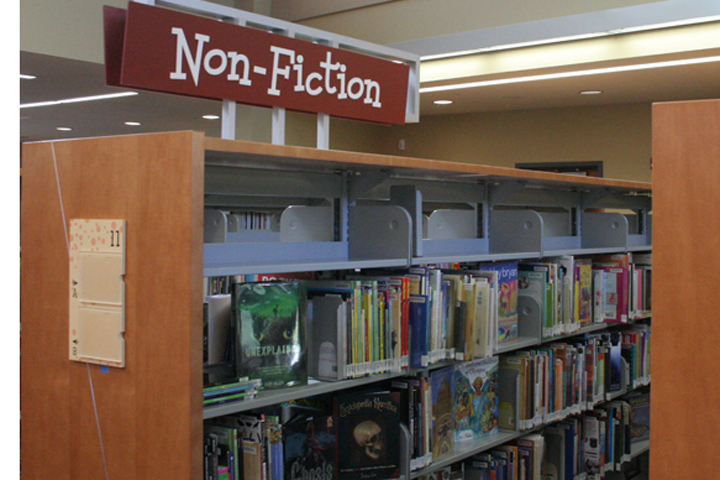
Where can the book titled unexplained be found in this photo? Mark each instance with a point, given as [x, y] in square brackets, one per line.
[270, 328]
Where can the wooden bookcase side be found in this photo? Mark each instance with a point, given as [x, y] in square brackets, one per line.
[686, 392]
[150, 413]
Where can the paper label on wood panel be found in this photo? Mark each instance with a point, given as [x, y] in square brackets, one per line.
[97, 291]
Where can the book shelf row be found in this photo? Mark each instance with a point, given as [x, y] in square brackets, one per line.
[389, 322]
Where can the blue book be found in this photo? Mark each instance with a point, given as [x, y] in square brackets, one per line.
[571, 452]
[419, 338]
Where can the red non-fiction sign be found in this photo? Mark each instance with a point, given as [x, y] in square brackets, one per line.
[158, 49]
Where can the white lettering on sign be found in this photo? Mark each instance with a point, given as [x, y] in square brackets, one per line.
[285, 72]
[184, 48]
[287, 66]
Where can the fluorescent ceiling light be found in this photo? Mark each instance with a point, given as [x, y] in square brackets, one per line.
[64, 129]
[676, 23]
[27, 77]
[591, 92]
[210, 117]
[575, 73]
[511, 46]
[442, 102]
[133, 124]
[573, 38]
[79, 99]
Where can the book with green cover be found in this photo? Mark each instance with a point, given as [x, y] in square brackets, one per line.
[270, 329]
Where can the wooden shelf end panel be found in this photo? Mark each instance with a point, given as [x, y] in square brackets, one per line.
[154, 182]
[686, 226]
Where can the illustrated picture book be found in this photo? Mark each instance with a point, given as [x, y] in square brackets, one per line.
[476, 398]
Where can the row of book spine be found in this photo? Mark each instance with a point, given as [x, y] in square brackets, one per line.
[252, 220]
[622, 285]
[358, 327]
[558, 379]
[576, 291]
[390, 321]
[242, 447]
[521, 459]
[418, 317]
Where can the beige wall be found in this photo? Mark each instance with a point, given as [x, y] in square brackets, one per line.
[73, 28]
[255, 124]
[617, 135]
[64, 28]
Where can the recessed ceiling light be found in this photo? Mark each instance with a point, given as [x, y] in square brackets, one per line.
[27, 77]
[64, 129]
[133, 124]
[443, 102]
[591, 92]
[210, 117]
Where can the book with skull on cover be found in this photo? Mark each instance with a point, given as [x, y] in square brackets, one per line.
[368, 435]
[270, 329]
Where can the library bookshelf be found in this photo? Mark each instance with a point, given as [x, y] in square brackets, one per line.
[146, 420]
